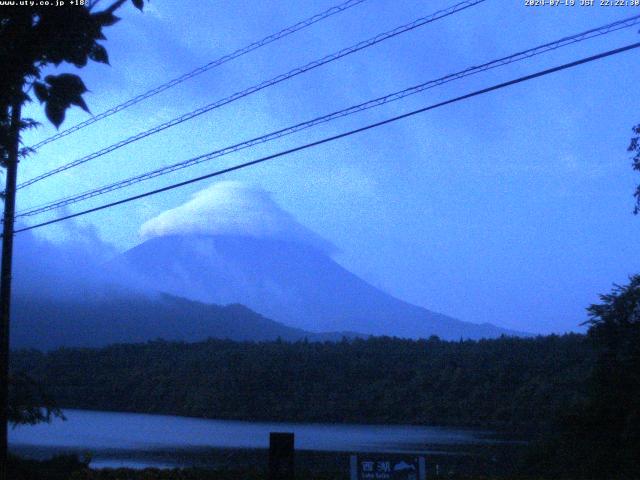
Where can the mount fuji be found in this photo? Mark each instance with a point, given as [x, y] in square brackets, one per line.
[290, 282]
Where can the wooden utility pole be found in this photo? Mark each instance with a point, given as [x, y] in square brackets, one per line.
[5, 279]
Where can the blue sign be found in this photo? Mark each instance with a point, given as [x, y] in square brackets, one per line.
[387, 467]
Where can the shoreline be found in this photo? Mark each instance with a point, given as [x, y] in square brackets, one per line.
[496, 460]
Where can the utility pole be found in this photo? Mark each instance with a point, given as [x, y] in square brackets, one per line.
[5, 278]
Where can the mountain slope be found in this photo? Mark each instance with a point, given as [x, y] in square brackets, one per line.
[47, 324]
[292, 283]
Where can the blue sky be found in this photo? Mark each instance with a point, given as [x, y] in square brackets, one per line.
[512, 208]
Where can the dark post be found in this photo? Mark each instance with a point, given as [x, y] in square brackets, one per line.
[5, 281]
[281, 453]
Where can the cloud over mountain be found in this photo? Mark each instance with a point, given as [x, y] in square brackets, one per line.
[233, 208]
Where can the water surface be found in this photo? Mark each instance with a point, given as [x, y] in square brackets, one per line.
[139, 440]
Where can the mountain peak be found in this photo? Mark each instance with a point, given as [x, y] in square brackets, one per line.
[233, 208]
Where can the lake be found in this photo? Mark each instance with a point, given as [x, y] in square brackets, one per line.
[139, 440]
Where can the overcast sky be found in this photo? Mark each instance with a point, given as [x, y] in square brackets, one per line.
[513, 208]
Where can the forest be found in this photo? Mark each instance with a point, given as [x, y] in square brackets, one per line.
[512, 384]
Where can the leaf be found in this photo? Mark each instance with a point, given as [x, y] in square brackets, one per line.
[79, 101]
[28, 124]
[65, 90]
[25, 152]
[41, 91]
[78, 58]
[55, 113]
[99, 54]
[66, 82]
[106, 19]
[139, 4]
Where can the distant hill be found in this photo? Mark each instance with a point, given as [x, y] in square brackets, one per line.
[47, 324]
[291, 282]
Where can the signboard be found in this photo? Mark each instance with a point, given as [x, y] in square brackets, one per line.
[379, 466]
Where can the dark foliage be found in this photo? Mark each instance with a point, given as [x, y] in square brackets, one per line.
[634, 147]
[28, 402]
[510, 383]
[33, 37]
[600, 436]
[58, 468]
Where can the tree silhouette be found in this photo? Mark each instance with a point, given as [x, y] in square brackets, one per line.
[33, 37]
[600, 436]
[614, 404]
[634, 147]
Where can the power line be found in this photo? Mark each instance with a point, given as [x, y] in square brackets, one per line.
[69, 200]
[339, 136]
[213, 64]
[280, 78]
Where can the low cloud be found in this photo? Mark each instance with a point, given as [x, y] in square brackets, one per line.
[233, 208]
[72, 268]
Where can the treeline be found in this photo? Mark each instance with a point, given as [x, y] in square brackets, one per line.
[515, 384]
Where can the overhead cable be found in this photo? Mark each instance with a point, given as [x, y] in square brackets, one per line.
[256, 88]
[204, 68]
[337, 137]
[72, 199]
